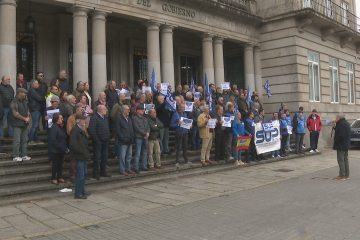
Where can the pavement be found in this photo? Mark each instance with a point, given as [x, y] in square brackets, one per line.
[292, 199]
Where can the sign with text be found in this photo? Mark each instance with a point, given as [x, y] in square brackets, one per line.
[225, 85]
[267, 141]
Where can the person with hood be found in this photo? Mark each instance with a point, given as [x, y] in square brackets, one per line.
[314, 127]
[299, 131]
[342, 145]
[238, 131]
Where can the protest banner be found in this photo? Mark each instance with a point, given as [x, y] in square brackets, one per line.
[267, 139]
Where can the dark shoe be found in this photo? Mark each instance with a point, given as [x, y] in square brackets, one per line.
[130, 172]
[168, 153]
[72, 180]
[144, 169]
[124, 173]
[137, 171]
[247, 161]
[105, 175]
[209, 161]
[86, 193]
[96, 176]
[152, 169]
[1, 138]
[12, 137]
[80, 197]
[161, 167]
[50, 163]
[54, 182]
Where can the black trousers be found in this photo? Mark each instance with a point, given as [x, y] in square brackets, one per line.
[252, 149]
[182, 143]
[314, 138]
[220, 144]
[57, 162]
[43, 114]
[283, 143]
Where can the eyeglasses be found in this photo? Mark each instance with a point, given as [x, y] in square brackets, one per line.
[53, 101]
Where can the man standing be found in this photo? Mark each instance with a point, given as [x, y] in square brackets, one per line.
[189, 97]
[261, 117]
[314, 127]
[276, 154]
[79, 89]
[284, 134]
[35, 105]
[154, 146]
[220, 134]
[142, 133]
[140, 102]
[42, 90]
[77, 110]
[125, 132]
[53, 92]
[181, 134]
[79, 150]
[179, 91]
[243, 106]
[148, 97]
[63, 82]
[342, 145]
[195, 137]
[100, 134]
[7, 94]
[289, 125]
[250, 127]
[101, 101]
[206, 134]
[299, 130]
[19, 120]
[69, 105]
[111, 94]
[163, 115]
[117, 109]
[20, 82]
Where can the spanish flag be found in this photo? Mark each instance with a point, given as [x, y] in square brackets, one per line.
[243, 143]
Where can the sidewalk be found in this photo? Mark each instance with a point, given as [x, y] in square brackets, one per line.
[63, 215]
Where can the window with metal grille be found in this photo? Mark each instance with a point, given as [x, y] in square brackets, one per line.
[189, 68]
[140, 64]
[234, 70]
[26, 55]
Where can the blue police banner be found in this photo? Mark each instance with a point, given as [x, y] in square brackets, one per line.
[192, 86]
[267, 88]
[208, 93]
[268, 127]
[153, 84]
[269, 140]
[248, 97]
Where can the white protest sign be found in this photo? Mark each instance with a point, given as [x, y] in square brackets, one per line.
[146, 89]
[225, 85]
[148, 107]
[211, 123]
[189, 106]
[227, 122]
[186, 123]
[197, 96]
[164, 88]
[267, 141]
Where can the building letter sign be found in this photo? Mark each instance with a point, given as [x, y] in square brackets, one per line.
[178, 10]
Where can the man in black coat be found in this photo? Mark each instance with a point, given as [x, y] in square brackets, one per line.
[163, 116]
[100, 134]
[125, 131]
[220, 134]
[111, 99]
[79, 150]
[342, 145]
[7, 94]
[36, 102]
[42, 90]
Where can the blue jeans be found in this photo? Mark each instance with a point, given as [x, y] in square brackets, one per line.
[275, 153]
[140, 148]
[125, 154]
[101, 151]
[237, 154]
[116, 146]
[6, 116]
[195, 138]
[35, 117]
[81, 171]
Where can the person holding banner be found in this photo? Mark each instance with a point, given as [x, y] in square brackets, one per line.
[206, 134]
[250, 128]
[220, 134]
[181, 134]
[238, 128]
[284, 134]
[299, 130]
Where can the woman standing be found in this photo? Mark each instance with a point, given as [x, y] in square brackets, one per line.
[54, 82]
[88, 112]
[141, 84]
[57, 138]
[239, 130]
[87, 94]
[63, 97]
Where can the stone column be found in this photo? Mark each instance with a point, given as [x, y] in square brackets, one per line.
[8, 40]
[257, 63]
[208, 57]
[219, 61]
[80, 46]
[153, 50]
[99, 73]
[167, 55]
[249, 67]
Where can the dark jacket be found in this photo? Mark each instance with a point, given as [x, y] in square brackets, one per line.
[42, 90]
[219, 129]
[163, 113]
[141, 126]
[111, 97]
[64, 84]
[342, 135]
[7, 94]
[69, 108]
[79, 145]
[154, 130]
[177, 93]
[35, 100]
[124, 130]
[58, 139]
[2, 113]
[242, 106]
[22, 109]
[97, 103]
[194, 115]
[76, 93]
[99, 128]
[174, 123]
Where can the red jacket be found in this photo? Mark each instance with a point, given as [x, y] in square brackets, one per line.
[311, 123]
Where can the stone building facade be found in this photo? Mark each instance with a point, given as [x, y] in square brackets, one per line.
[309, 50]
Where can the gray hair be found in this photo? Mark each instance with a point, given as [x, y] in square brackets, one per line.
[237, 118]
[124, 107]
[218, 88]
[341, 115]
[77, 120]
[176, 98]
[203, 108]
[141, 95]
[256, 104]
[229, 105]
[3, 78]
[55, 99]
[99, 108]
[188, 94]
[199, 87]
[181, 105]
[32, 82]
[220, 98]
[159, 84]
[69, 97]
[147, 93]
[61, 71]
[76, 107]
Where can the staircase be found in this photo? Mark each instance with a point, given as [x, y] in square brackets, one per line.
[30, 180]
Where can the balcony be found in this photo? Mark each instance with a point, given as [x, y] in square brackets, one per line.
[330, 10]
[245, 6]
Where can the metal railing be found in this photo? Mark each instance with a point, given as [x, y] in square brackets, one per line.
[331, 10]
[230, 4]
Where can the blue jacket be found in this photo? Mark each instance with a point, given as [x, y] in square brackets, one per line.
[283, 127]
[174, 123]
[239, 129]
[249, 126]
[299, 126]
[288, 120]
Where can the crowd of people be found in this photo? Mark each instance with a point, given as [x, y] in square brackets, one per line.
[71, 119]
